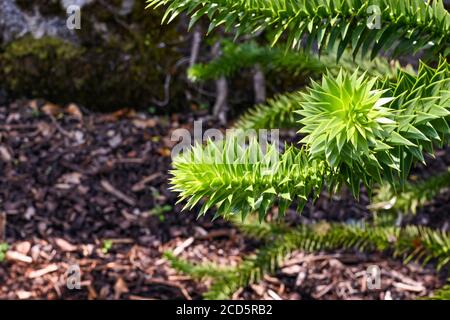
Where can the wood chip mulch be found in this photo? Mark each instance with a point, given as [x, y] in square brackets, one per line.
[90, 191]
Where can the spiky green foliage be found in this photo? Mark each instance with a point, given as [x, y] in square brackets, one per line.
[265, 231]
[235, 57]
[238, 179]
[409, 243]
[3, 249]
[275, 113]
[407, 26]
[207, 270]
[279, 111]
[346, 123]
[413, 196]
[372, 132]
[442, 294]
[422, 107]
[358, 130]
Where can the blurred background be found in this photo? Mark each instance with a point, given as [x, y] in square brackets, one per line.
[86, 117]
[121, 57]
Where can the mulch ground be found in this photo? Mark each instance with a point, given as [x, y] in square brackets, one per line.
[91, 190]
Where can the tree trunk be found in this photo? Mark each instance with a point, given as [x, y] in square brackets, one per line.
[195, 48]
[259, 84]
[220, 108]
[2, 226]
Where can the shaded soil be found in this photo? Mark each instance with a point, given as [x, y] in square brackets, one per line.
[91, 190]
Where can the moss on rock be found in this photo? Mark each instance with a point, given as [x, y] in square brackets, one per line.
[42, 67]
[46, 7]
[122, 67]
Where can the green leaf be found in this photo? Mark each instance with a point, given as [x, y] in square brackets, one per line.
[397, 140]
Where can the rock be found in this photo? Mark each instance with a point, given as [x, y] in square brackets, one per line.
[15, 23]
[120, 47]
[40, 26]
